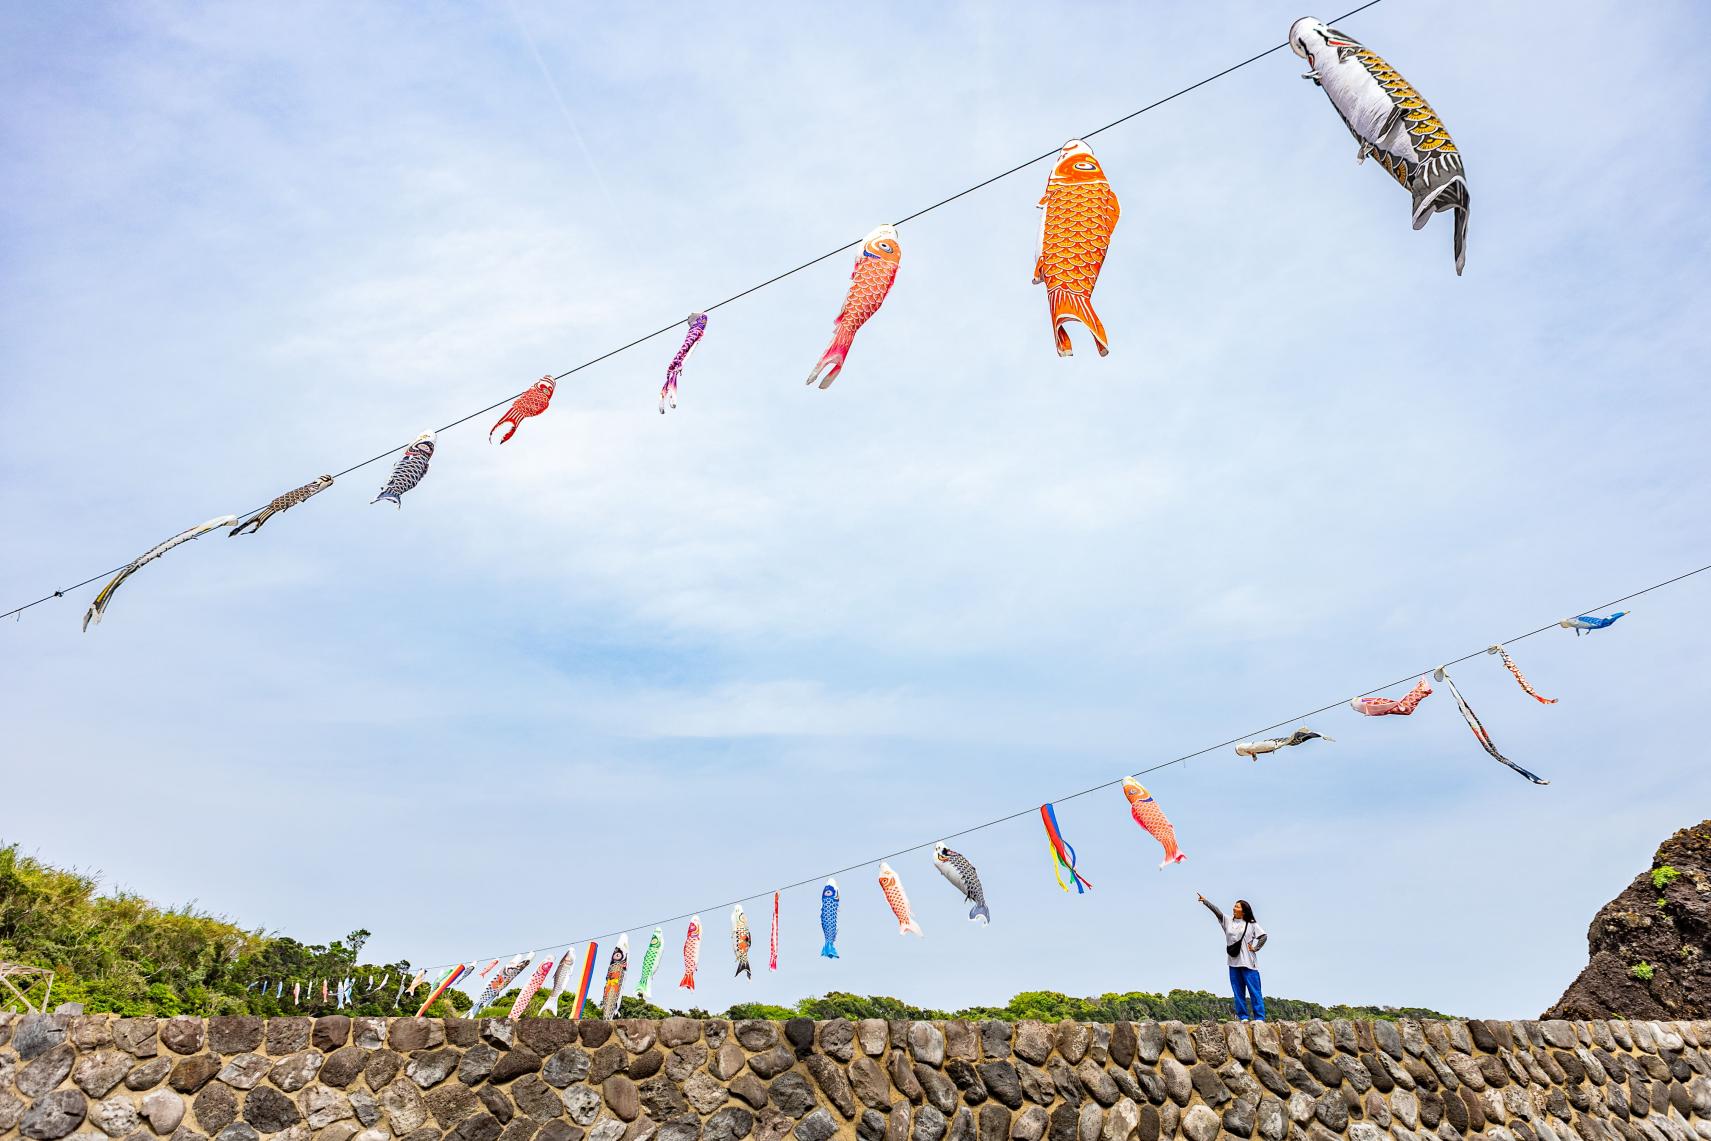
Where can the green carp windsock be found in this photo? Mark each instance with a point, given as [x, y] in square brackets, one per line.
[650, 964]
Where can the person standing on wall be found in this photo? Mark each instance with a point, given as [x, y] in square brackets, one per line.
[1243, 937]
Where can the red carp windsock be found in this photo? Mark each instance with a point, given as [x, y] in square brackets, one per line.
[1393, 706]
[1150, 816]
[531, 403]
[870, 280]
[1520, 678]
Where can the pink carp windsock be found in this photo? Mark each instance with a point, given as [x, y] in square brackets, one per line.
[1256, 749]
[502, 979]
[772, 943]
[1150, 816]
[529, 988]
[1520, 678]
[691, 953]
[408, 471]
[531, 403]
[899, 901]
[281, 503]
[561, 979]
[587, 978]
[1063, 854]
[488, 969]
[1479, 732]
[741, 941]
[98, 608]
[1393, 706]
[674, 371]
[875, 270]
[615, 968]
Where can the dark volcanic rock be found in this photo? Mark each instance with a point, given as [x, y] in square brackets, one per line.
[1632, 929]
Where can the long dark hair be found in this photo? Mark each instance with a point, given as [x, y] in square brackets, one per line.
[1247, 911]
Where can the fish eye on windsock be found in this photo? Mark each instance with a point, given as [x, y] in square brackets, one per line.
[1391, 123]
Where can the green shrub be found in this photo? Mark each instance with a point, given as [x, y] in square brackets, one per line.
[1664, 876]
[1641, 971]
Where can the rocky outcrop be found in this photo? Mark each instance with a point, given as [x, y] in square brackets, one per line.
[1651, 946]
[371, 1079]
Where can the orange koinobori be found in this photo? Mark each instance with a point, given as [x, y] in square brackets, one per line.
[870, 280]
[1150, 816]
[1079, 211]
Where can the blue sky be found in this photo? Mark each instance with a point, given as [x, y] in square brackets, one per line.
[631, 665]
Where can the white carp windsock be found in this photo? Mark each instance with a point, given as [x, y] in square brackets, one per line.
[561, 979]
[1256, 749]
[1478, 728]
[529, 989]
[1390, 120]
[497, 984]
[98, 608]
[899, 901]
[956, 868]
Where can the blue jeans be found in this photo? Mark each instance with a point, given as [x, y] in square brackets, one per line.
[1247, 979]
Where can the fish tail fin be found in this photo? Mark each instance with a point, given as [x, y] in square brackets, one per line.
[909, 926]
[743, 969]
[688, 982]
[253, 523]
[510, 430]
[549, 1009]
[1169, 860]
[1070, 306]
[832, 360]
[979, 914]
[1440, 195]
[828, 951]
[391, 497]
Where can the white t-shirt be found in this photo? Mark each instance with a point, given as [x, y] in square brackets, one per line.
[1233, 930]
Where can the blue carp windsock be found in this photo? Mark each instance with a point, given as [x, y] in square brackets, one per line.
[650, 964]
[1520, 678]
[408, 471]
[99, 607]
[529, 988]
[615, 968]
[1479, 732]
[1391, 122]
[1587, 623]
[561, 979]
[741, 940]
[674, 371]
[1256, 749]
[1393, 706]
[829, 919]
[954, 866]
[497, 984]
[281, 503]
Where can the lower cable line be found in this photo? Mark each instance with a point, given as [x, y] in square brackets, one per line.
[1183, 759]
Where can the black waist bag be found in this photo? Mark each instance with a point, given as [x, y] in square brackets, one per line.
[1235, 949]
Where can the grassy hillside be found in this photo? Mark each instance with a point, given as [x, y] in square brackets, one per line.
[118, 952]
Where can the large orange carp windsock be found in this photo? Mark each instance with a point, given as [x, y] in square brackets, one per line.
[870, 281]
[1150, 816]
[1075, 231]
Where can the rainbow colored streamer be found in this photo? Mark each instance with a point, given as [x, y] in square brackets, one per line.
[446, 980]
[1063, 855]
[587, 977]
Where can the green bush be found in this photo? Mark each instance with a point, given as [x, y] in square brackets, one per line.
[1664, 876]
[1641, 971]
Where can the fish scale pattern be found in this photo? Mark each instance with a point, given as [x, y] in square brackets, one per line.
[1425, 130]
[1079, 220]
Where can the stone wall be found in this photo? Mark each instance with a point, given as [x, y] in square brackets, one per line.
[373, 1079]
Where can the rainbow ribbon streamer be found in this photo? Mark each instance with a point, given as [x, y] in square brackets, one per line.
[446, 980]
[587, 976]
[1063, 855]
